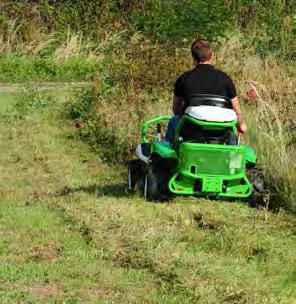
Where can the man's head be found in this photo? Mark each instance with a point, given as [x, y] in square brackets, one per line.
[201, 51]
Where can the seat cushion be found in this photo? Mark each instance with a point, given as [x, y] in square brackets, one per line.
[211, 113]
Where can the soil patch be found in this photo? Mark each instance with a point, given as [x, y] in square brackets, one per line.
[47, 252]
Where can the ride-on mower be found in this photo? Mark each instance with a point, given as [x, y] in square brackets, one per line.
[204, 158]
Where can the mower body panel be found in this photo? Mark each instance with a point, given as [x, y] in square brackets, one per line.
[251, 157]
[164, 149]
[211, 170]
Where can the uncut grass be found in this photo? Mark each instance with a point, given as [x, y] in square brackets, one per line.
[84, 240]
[53, 56]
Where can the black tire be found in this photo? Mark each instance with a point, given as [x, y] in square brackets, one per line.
[140, 185]
[258, 197]
[134, 172]
[155, 187]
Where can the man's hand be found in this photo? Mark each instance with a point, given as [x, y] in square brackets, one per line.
[241, 126]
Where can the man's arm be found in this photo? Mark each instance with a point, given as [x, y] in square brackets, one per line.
[178, 101]
[178, 104]
[236, 107]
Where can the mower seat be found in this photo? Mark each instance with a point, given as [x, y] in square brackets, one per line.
[211, 113]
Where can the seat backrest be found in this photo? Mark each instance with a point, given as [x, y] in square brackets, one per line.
[209, 100]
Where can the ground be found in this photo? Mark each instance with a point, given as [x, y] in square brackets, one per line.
[69, 234]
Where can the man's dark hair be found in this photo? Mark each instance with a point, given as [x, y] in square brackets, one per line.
[201, 50]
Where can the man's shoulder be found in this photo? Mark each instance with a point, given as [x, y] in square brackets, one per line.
[221, 73]
[185, 74]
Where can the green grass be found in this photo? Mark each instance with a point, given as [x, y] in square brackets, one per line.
[69, 234]
[14, 68]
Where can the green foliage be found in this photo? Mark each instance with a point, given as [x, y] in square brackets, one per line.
[177, 20]
[32, 32]
[269, 25]
[95, 128]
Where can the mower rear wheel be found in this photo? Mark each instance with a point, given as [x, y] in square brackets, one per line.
[258, 197]
[155, 187]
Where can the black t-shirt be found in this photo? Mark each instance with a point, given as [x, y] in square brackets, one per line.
[204, 79]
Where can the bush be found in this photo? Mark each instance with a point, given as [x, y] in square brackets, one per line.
[176, 20]
[268, 25]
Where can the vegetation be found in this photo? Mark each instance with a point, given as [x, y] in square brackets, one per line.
[54, 40]
[82, 239]
[71, 235]
[134, 50]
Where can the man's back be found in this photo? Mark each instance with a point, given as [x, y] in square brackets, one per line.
[204, 79]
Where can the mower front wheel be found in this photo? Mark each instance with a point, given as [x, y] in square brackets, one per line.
[134, 175]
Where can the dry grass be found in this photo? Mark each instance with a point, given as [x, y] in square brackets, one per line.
[74, 46]
[8, 43]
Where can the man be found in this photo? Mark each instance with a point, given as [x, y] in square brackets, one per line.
[203, 79]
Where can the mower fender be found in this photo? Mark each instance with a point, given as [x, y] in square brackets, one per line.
[164, 149]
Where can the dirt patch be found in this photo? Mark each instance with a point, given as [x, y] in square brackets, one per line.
[44, 291]
[97, 291]
[94, 291]
[47, 252]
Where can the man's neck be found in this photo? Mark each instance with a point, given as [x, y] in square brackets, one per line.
[204, 62]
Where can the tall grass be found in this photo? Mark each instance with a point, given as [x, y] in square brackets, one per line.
[47, 58]
[272, 138]
[270, 116]
[269, 25]
[72, 31]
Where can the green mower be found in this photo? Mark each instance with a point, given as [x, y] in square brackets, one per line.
[203, 158]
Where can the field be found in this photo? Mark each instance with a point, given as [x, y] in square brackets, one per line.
[69, 234]
[76, 82]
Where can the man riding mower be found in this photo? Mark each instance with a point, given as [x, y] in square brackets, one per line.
[202, 155]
